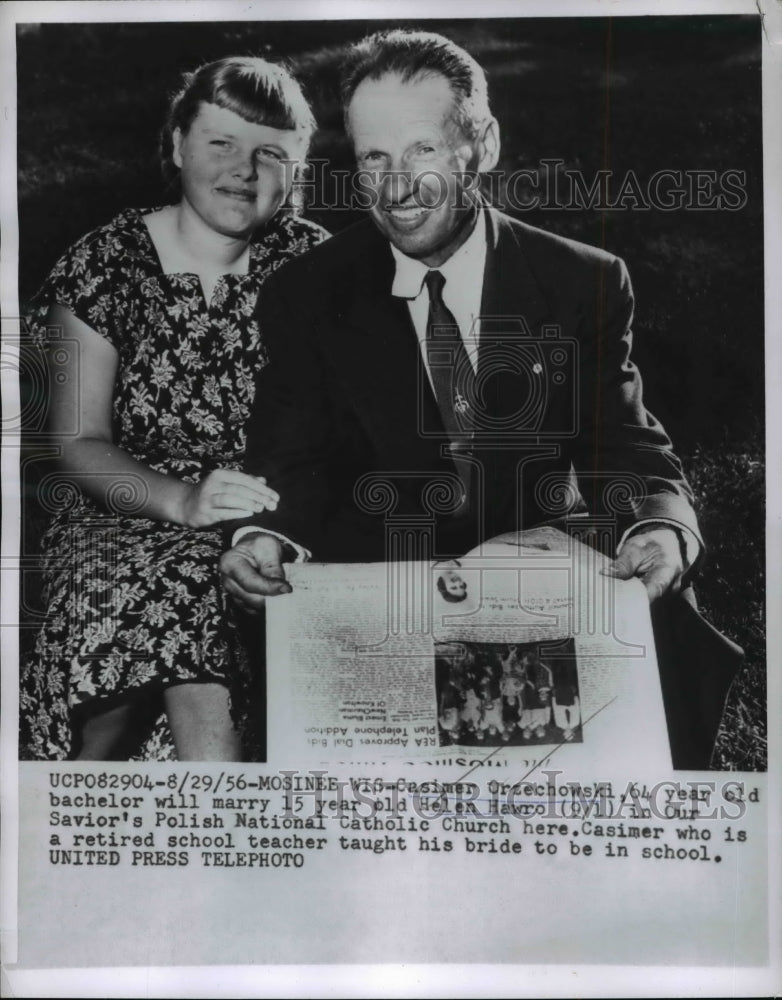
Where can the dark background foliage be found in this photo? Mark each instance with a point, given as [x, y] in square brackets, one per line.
[627, 94]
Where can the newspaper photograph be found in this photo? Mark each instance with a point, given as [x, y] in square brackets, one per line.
[390, 498]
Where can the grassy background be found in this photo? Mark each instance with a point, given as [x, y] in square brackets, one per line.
[633, 93]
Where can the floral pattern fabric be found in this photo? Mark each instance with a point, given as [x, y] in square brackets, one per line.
[134, 604]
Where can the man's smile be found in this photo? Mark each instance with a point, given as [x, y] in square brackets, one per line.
[407, 214]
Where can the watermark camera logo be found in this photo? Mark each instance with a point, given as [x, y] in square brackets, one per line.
[525, 386]
[41, 368]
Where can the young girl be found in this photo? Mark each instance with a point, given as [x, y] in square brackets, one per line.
[154, 320]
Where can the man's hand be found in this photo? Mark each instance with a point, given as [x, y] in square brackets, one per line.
[655, 557]
[252, 571]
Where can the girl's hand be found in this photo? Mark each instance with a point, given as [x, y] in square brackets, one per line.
[224, 495]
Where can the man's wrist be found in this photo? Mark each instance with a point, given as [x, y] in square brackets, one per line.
[245, 532]
[289, 551]
[689, 546]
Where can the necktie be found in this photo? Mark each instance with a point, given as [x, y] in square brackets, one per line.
[452, 377]
[448, 362]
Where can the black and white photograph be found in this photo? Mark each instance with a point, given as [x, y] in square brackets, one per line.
[494, 694]
[385, 283]
[161, 426]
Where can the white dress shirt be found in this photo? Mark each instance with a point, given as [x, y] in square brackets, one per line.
[463, 273]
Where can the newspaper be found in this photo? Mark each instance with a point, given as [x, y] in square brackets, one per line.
[511, 654]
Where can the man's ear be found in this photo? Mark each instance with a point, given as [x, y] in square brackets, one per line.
[489, 145]
[176, 147]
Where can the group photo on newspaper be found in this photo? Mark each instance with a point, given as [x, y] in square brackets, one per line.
[392, 390]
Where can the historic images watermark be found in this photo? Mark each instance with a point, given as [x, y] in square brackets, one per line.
[551, 185]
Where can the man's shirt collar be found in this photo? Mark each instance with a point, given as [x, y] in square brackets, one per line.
[457, 270]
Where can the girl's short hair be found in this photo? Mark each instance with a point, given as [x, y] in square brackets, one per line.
[261, 92]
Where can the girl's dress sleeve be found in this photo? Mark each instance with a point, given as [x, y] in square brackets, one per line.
[87, 280]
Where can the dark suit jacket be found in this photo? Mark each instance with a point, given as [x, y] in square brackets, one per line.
[346, 428]
[344, 398]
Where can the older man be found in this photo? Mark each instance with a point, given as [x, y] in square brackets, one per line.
[441, 345]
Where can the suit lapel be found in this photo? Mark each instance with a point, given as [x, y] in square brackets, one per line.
[510, 289]
[513, 379]
[381, 357]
